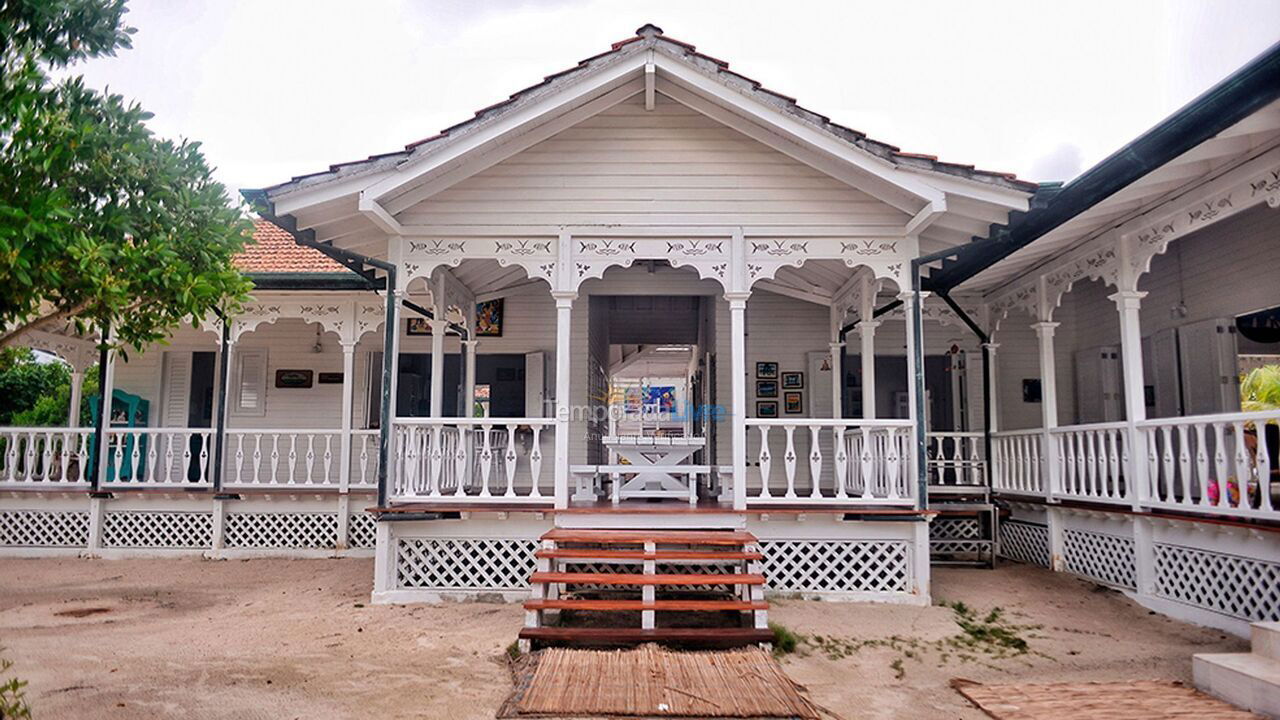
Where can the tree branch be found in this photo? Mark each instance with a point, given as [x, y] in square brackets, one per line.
[11, 337]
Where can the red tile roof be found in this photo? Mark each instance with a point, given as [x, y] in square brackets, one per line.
[274, 251]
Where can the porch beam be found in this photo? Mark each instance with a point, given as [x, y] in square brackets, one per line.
[517, 230]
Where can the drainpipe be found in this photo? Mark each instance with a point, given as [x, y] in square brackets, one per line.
[103, 418]
[986, 377]
[224, 372]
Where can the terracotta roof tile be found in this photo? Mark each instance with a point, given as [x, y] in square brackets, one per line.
[274, 251]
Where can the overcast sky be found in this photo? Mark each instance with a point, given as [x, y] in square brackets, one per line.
[278, 88]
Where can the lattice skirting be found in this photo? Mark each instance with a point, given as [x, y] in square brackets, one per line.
[1237, 586]
[158, 530]
[464, 563]
[281, 530]
[1109, 559]
[362, 530]
[1025, 542]
[837, 566]
[956, 536]
[44, 528]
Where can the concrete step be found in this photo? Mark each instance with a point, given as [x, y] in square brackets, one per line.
[1245, 680]
[1266, 639]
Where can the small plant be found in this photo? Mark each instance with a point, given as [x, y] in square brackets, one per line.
[13, 695]
[899, 672]
[513, 651]
[785, 641]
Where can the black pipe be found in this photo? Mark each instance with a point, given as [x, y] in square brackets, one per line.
[916, 322]
[986, 378]
[390, 329]
[844, 331]
[103, 417]
[224, 371]
[452, 327]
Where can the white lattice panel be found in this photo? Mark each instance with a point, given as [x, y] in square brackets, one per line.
[281, 530]
[140, 529]
[1025, 542]
[659, 568]
[1105, 558]
[955, 529]
[464, 563]
[1241, 587]
[44, 528]
[362, 531]
[880, 566]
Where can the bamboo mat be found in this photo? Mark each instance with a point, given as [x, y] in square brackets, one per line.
[649, 681]
[1137, 700]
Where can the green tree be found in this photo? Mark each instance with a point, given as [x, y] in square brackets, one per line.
[100, 221]
[26, 384]
[1260, 389]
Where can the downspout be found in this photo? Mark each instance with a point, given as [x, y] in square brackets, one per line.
[224, 372]
[986, 378]
[104, 412]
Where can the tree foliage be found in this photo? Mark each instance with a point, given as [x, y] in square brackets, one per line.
[25, 384]
[100, 221]
[1260, 389]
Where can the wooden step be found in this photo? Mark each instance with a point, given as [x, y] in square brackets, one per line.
[680, 605]
[716, 636]
[669, 537]
[610, 554]
[637, 579]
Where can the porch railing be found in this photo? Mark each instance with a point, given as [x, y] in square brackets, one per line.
[159, 457]
[1222, 465]
[44, 457]
[1016, 458]
[473, 459]
[956, 459]
[303, 459]
[822, 460]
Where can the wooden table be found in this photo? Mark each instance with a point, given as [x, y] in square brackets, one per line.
[658, 466]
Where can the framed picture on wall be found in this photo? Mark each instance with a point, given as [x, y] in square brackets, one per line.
[793, 403]
[767, 388]
[489, 318]
[418, 326]
[792, 381]
[767, 409]
[294, 378]
[767, 370]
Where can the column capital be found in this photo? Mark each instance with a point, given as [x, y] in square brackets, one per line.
[1128, 299]
[906, 296]
[867, 326]
[836, 345]
[737, 298]
[470, 345]
[1045, 328]
[348, 346]
[564, 298]
[990, 346]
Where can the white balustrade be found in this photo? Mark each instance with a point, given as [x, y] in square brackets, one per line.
[1091, 462]
[45, 457]
[257, 458]
[163, 457]
[956, 458]
[473, 459]
[1016, 462]
[850, 461]
[1220, 464]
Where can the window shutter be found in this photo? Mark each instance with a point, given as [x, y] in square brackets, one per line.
[177, 388]
[250, 382]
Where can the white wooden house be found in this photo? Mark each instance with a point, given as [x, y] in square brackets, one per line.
[831, 308]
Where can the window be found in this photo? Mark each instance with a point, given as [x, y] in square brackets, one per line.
[250, 382]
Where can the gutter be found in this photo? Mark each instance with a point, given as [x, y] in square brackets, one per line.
[1239, 95]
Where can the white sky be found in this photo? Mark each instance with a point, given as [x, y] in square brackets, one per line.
[277, 88]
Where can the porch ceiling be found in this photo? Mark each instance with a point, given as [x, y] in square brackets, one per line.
[1253, 136]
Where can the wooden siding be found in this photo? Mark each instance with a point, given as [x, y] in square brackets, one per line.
[671, 166]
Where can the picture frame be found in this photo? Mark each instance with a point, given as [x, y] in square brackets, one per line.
[417, 326]
[489, 316]
[294, 379]
[766, 388]
[767, 370]
[767, 409]
[329, 378]
[793, 403]
[793, 381]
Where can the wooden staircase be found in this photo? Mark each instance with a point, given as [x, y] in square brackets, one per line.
[624, 587]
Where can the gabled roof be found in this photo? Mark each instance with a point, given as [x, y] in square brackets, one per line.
[651, 37]
[273, 251]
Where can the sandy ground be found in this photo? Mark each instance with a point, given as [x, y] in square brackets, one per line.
[296, 639]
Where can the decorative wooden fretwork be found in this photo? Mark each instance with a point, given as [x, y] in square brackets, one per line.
[1025, 542]
[1106, 558]
[464, 563]
[1241, 587]
[281, 530]
[44, 528]
[853, 566]
[168, 530]
[362, 530]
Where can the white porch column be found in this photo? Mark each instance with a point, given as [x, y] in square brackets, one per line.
[438, 328]
[1048, 407]
[837, 371]
[73, 407]
[348, 391]
[469, 378]
[738, 371]
[913, 398]
[867, 334]
[1129, 303]
[564, 318]
[105, 391]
